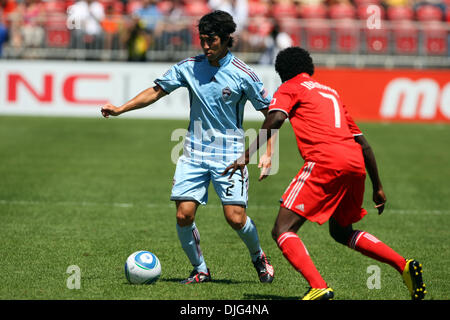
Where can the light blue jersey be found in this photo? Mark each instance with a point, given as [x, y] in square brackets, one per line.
[217, 98]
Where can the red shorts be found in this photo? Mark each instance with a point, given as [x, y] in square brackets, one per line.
[318, 193]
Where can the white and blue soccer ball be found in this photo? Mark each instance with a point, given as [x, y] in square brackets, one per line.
[142, 267]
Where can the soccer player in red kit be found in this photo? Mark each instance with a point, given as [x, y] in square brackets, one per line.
[330, 185]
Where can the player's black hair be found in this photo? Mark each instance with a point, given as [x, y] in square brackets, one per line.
[218, 23]
[293, 61]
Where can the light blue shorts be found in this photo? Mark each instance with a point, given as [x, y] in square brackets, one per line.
[192, 178]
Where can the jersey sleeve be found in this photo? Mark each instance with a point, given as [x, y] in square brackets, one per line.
[172, 79]
[354, 129]
[283, 100]
[257, 94]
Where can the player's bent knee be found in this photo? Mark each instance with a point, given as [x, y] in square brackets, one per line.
[340, 234]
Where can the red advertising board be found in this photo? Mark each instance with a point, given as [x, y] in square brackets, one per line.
[391, 95]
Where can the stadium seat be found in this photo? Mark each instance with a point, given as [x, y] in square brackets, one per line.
[377, 40]
[57, 33]
[345, 27]
[293, 28]
[313, 11]
[341, 11]
[435, 38]
[318, 35]
[406, 37]
[362, 13]
[54, 6]
[257, 8]
[196, 8]
[404, 31]
[317, 28]
[347, 35]
[429, 13]
[283, 10]
[400, 13]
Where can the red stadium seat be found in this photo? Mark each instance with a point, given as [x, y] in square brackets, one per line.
[318, 35]
[283, 10]
[347, 35]
[429, 13]
[363, 11]
[257, 8]
[406, 37]
[435, 38]
[313, 11]
[55, 6]
[293, 28]
[317, 29]
[404, 31]
[57, 33]
[377, 40]
[196, 8]
[341, 11]
[400, 13]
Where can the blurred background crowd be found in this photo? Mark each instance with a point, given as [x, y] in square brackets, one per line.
[165, 30]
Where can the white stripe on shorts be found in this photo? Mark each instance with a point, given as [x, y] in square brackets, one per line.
[299, 185]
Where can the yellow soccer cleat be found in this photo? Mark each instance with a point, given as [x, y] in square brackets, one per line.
[319, 294]
[412, 276]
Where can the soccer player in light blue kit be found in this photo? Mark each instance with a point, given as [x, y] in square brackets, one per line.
[219, 85]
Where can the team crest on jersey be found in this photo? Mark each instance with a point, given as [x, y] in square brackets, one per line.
[226, 93]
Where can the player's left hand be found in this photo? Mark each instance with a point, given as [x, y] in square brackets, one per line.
[239, 164]
[380, 199]
[265, 164]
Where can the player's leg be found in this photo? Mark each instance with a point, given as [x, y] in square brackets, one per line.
[189, 190]
[233, 192]
[246, 230]
[340, 226]
[190, 241]
[284, 233]
[370, 246]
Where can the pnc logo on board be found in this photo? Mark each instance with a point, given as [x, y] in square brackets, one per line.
[415, 99]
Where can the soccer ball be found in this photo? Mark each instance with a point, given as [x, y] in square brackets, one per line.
[142, 267]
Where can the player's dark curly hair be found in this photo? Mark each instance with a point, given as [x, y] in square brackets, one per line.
[293, 61]
[218, 23]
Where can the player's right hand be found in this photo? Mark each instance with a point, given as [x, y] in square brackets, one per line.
[110, 110]
[380, 199]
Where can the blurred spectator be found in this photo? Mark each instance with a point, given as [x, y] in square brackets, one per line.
[138, 41]
[174, 32]
[275, 42]
[27, 24]
[3, 32]
[437, 3]
[396, 3]
[149, 15]
[237, 8]
[85, 17]
[112, 26]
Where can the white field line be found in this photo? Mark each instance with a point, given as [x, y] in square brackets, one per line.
[171, 205]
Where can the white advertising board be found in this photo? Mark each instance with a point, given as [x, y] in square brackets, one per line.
[61, 88]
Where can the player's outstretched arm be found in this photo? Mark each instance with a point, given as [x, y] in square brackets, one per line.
[371, 166]
[143, 99]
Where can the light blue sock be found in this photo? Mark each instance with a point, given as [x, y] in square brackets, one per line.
[249, 234]
[190, 242]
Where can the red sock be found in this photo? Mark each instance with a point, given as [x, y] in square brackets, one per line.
[295, 252]
[370, 246]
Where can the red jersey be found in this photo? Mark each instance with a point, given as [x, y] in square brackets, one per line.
[323, 128]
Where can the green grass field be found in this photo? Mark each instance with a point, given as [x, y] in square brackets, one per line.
[89, 192]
